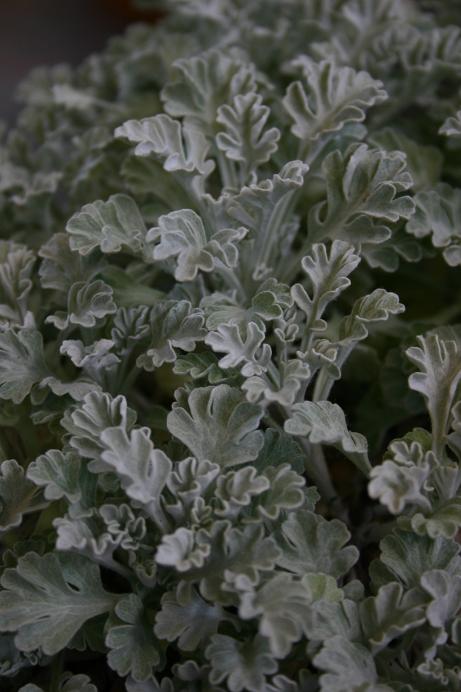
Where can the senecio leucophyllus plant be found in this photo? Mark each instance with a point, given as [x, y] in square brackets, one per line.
[230, 361]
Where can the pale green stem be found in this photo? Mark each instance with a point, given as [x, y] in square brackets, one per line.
[157, 515]
[316, 468]
[35, 508]
[111, 564]
[232, 280]
[227, 171]
[325, 381]
[274, 373]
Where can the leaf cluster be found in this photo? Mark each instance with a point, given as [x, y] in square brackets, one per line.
[230, 355]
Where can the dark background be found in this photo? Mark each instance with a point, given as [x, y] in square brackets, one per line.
[47, 32]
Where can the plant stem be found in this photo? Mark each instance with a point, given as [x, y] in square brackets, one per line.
[227, 171]
[56, 672]
[316, 468]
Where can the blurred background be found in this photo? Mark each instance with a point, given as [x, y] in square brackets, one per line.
[47, 32]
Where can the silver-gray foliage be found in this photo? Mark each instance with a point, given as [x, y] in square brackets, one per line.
[230, 357]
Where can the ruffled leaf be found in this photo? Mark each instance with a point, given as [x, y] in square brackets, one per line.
[348, 667]
[452, 126]
[132, 646]
[310, 543]
[242, 664]
[221, 426]
[244, 137]
[22, 363]
[87, 304]
[438, 357]
[201, 84]
[331, 97]
[247, 351]
[172, 325]
[328, 274]
[438, 215]
[142, 470]
[363, 196]
[47, 599]
[390, 614]
[185, 616]
[97, 412]
[16, 493]
[112, 226]
[324, 423]
[180, 148]
[58, 474]
[182, 235]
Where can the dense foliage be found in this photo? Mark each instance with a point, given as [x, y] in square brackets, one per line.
[227, 242]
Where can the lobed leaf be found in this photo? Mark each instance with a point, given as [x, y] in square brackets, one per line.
[331, 97]
[111, 226]
[47, 599]
[221, 426]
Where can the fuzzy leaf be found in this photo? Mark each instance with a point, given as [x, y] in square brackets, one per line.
[86, 423]
[332, 96]
[294, 374]
[132, 647]
[438, 214]
[444, 518]
[16, 266]
[96, 360]
[225, 557]
[190, 480]
[363, 189]
[183, 235]
[67, 683]
[424, 162]
[438, 357]
[16, 493]
[405, 556]
[58, 473]
[187, 617]
[110, 225]
[280, 448]
[348, 667]
[87, 304]
[328, 274]
[452, 126]
[328, 618]
[181, 148]
[445, 593]
[143, 470]
[243, 664]
[390, 614]
[261, 208]
[46, 600]
[221, 426]
[172, 325]
[282, 604]
[61, 268]
[375, 307]
[325, 423]
[310, 543]
[249, 351]
[184, 550]
[236, 489]
[203, 83]
[285, 492]
[400, 480]
[244, 137]
[22, 363]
